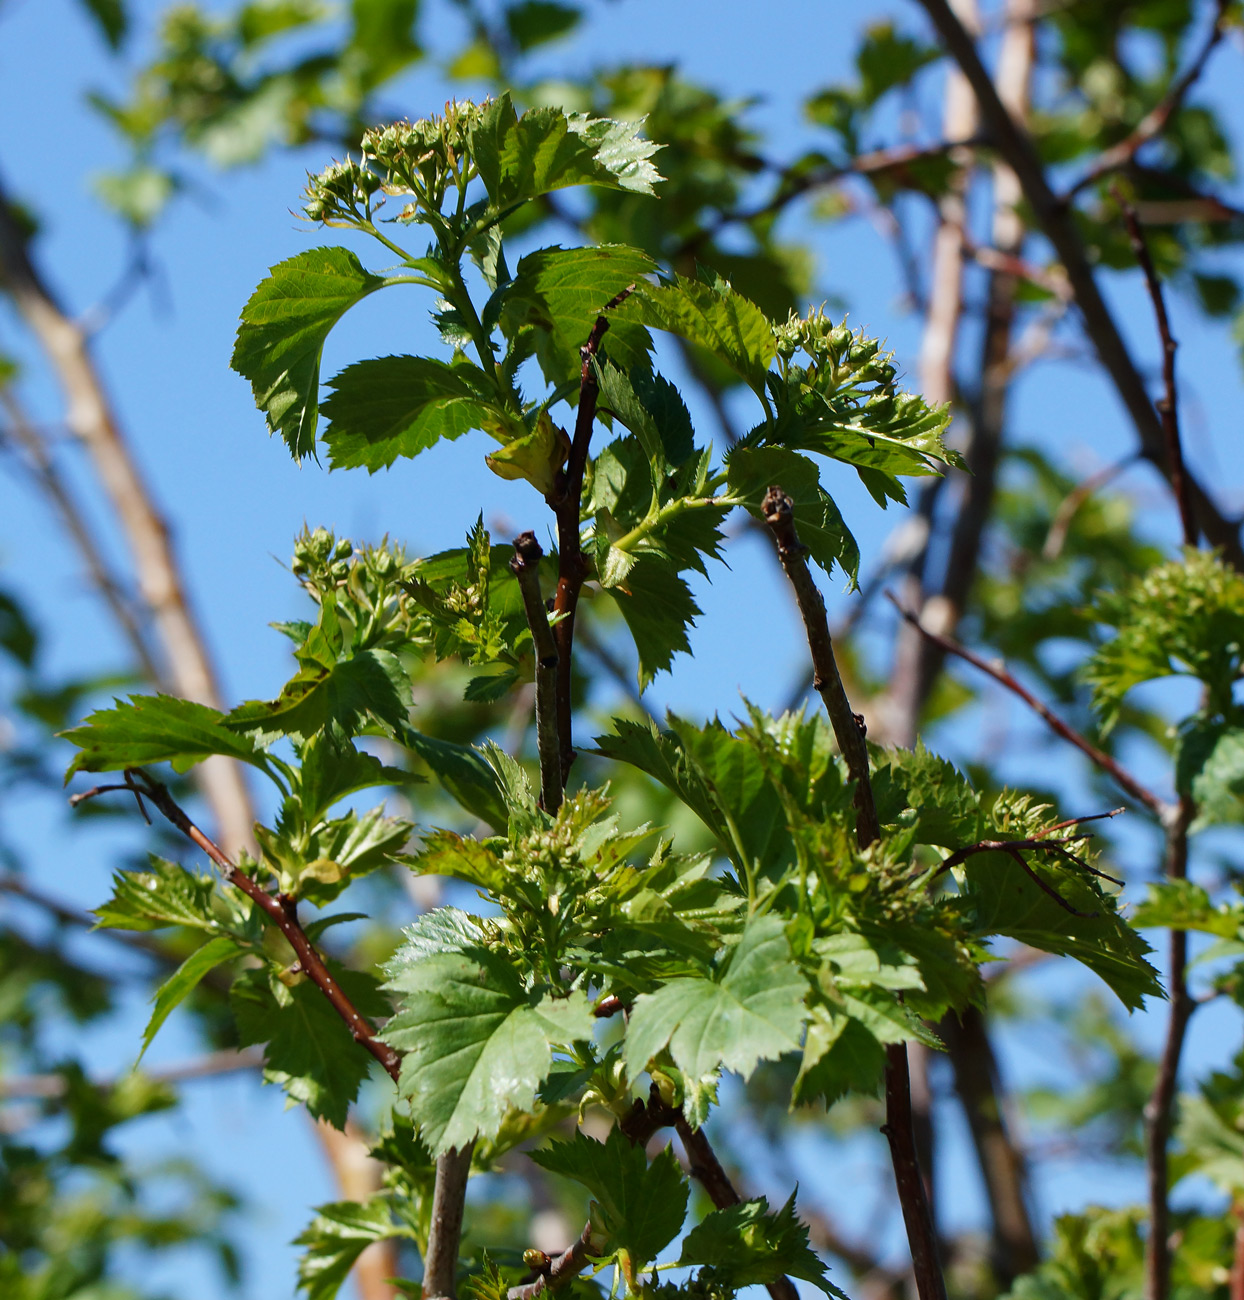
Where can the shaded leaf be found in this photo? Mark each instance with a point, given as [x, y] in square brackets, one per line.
[184, 980]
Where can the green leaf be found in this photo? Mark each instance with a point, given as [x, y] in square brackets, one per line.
[658, 608]
[639, 1206]
[168, 894]
[544, 150]
[155, 729]
[752, 470]
[477, 1041]
[719, 776]
[465, 774]
[750, 1010]
[1183, 905]
[336, 1237]
[561, 291]
[281, 337]
[745, 1245]
[1209, 766]
[444, 929]
[370, 685]
[1215, 1146]
[840, 1056]
[332, 768]
[388, 407]
[535, 22]
[1006, 901]
[111, 19]
[712, 316]
[184, 980]
[307, 1048]
[652, 409]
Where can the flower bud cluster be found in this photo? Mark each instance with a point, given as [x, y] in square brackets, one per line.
[341, 194]
[422, 158]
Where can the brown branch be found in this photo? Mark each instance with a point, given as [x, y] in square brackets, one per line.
[42, 468]
[721, 1191]
[1060, 525]
[916, 1217]
[1160, 1106]
[1155, 120]
[1123, 778]
[1054, 218]
[188, 670]
[566, 502]
[1168, 403]
[440, 1266]
[526, 568]
[778, 510]
[281, 909]
[779, 513]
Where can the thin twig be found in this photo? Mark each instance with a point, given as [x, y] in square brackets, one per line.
[526, 568]
[566, 501]
[1155, 120]
[280, 908]
[1055, 220]
[1123, 778]
[1168, 404]
[779, 513]
[51, 1086]
[1060, 525]
[1160, 1106]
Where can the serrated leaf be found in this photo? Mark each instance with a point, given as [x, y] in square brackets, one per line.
[712, 316]
[370, 685]
[444, 929]
[464, 773]
[658, 608]
[336, 1237]
[155, 729]
[745, 1245]
[184, 980]
[477, 1042]
[168, 894]
[544, 150]
[392, 406]
[651, 408]
[307, 1048]
[1006, 901]
[1185, 905]
[820, 526]
[840, 1056]
[1209, 766]
[281, 337]
[750, 1010]
[332, 768]
[559, 292]
[639, 1206]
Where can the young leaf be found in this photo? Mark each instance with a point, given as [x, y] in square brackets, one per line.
[561, 291]
[307, 1048]
[544, 150]
[184, 980]
[745, 1245]
[712, 316]
[639, 1206]
[750, 1010]
[651, 408]
[336, 1237]
[155, 729]
[168, 894]
[281, 337]
[464, 773]
[388, 407]
[332, 768]
[477, 1041]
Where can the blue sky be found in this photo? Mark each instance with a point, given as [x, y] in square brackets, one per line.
[236, 499]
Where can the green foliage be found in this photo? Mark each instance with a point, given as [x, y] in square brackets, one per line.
[337, 1236]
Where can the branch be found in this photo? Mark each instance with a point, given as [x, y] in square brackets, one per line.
[1155, 120]
[1168, 404]
[721, 1191]
[566, 501]
[1054, 218]
[1159, 1108]
[779, 514]
[526, 568]
[46, 1087]
[440, 1266]
[281, 909]
[188, 670]
[998, 672]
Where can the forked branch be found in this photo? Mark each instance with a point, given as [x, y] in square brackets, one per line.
[526, 568]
